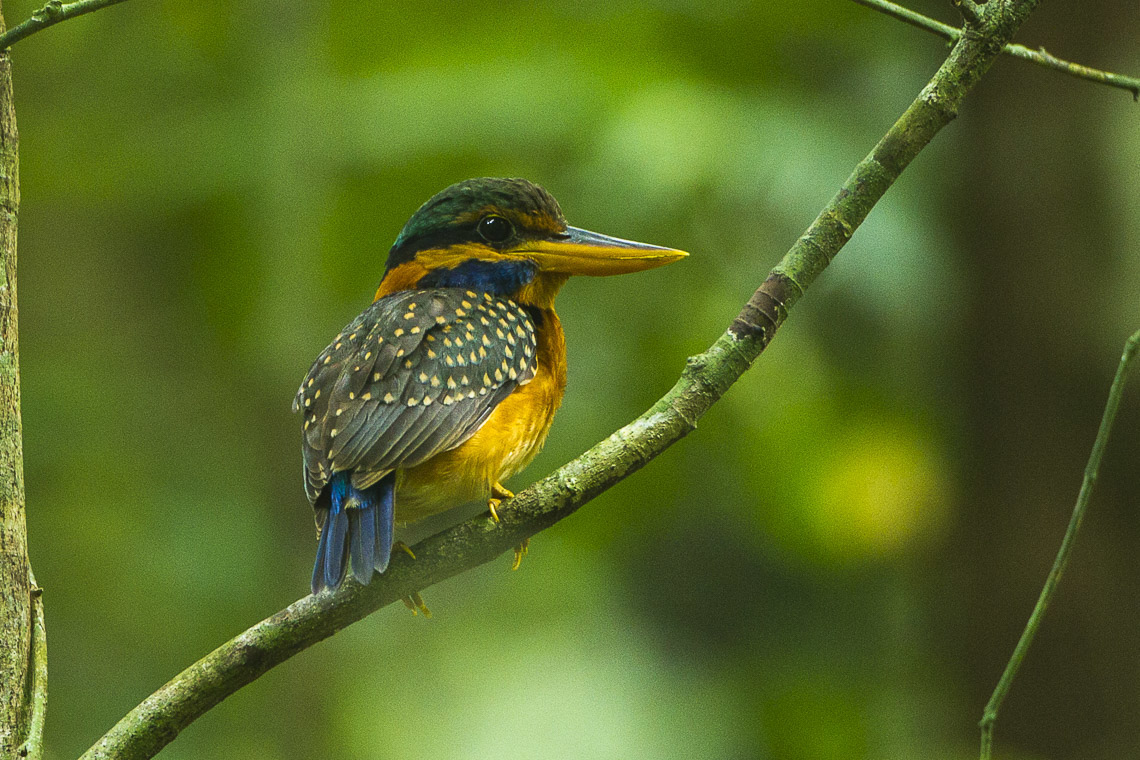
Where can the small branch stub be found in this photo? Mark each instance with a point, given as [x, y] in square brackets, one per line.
[971, 12]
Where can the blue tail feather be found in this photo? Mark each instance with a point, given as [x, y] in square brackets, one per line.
[356, 530]
[385, 521]
[336, 530]
[364, 545]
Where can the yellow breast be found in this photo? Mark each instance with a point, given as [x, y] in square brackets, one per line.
[507, 442]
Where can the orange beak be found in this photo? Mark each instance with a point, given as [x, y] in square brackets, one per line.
[583, 252]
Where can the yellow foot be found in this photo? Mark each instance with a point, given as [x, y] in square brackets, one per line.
[520, 552]
[415, 603]
[401, 546]
[498, 494]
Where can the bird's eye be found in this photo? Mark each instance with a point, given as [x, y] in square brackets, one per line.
[495, 229]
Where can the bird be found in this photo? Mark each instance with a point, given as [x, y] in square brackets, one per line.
[447, 384]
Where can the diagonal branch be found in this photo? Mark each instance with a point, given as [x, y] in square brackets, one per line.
[159, 718]
[1039, 56]
[1092, 469]
[50, 15]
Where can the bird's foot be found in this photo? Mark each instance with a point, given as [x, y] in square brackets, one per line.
[498, 495]
[520, 552]
[415, 603]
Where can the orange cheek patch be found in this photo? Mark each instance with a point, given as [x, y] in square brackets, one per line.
[403, 277]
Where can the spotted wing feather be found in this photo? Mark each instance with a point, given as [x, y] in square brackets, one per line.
[416, 374]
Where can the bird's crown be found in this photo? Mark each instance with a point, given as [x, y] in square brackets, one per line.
[490, 211]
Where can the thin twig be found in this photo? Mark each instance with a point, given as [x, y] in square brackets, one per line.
[33, 747]
[51, 14]
[1039, 56]
[159, 718]
[990, 714]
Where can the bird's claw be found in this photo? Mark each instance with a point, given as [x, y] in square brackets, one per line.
[415, 603]
[520, 552]
[498, 495]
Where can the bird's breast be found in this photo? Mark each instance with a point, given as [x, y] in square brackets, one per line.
[507, 442]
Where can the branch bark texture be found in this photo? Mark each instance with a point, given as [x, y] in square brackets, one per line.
[15, 593]
[155, 722]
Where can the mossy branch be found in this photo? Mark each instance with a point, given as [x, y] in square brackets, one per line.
[53, 12]
[17, 616]
[973, 13]
[155, 722]
[1092, 469]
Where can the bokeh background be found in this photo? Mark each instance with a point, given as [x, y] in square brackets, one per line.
[835, 565]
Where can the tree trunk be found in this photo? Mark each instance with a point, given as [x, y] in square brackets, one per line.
[15, 588]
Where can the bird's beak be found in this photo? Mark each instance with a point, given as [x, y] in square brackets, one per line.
[583, 252]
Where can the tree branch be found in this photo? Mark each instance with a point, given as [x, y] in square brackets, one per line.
[990, 714]
[16, 615]
[1039, 56]
[33, 748]
[159, 718]
[50, 15]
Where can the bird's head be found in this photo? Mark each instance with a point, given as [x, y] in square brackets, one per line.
[507, 237]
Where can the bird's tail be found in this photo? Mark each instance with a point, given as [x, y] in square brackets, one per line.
[356, 528]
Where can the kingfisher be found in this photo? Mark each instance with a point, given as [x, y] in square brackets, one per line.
[447, 384]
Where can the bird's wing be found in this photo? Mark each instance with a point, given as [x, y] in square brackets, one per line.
[416, 374]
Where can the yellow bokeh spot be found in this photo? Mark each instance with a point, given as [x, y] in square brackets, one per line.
[876, 491]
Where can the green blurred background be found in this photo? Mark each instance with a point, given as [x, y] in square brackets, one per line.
[835, 565]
